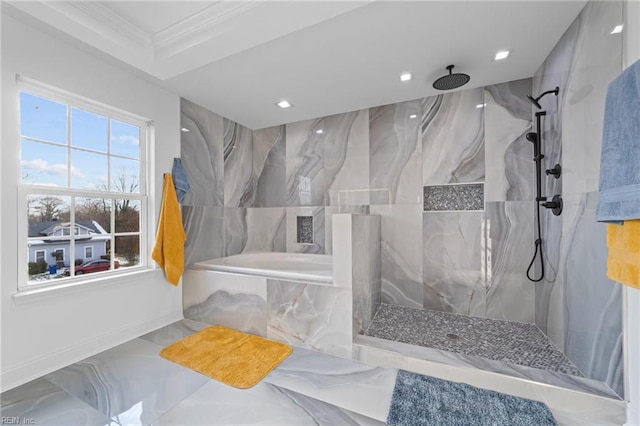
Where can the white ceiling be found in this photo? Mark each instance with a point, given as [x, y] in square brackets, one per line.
[238, 58]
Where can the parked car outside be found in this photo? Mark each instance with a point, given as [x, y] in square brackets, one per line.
[94, 266]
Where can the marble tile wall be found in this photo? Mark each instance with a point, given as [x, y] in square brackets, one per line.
[366, 269]
[453, 138]
[577, 306]
[395, 152]
[310, 316]
[453, 262]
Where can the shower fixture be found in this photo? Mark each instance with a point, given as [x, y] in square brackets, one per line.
[451, 81]
[536, 101]
[541, 201]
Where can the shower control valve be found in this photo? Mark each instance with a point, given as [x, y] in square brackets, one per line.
[555, 172]
[555, 205]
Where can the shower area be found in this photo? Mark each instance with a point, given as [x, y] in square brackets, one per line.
[509, 272]
[490, 255]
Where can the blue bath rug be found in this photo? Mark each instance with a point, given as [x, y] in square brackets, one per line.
[422, 400]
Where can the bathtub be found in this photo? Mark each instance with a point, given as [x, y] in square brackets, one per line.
[316, 268]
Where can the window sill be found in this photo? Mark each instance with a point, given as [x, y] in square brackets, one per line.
[37, 294]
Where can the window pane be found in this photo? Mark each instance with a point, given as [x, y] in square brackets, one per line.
[128, 250]
[125, 175]
[90, 210]
[43, 164]
[89, 130]
[125, 139]
[48, 220]
[88, 170]
[44, 209]
[127, 215]
[42, 119]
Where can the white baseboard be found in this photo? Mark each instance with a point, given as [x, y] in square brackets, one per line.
[48, 363]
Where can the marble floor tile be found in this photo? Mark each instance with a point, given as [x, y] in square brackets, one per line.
[265, 404]
[343, 382]
[130, 382]
[44, 403]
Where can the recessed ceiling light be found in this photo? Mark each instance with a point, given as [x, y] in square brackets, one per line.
[319, 131]
[184, 129]
[405, 77]
[617, 29]
[481, 105]
[503, 54]
[413, 115]
[284, 104]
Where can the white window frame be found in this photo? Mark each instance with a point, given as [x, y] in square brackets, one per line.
[25, 190]
[85, 252]
[35, 255]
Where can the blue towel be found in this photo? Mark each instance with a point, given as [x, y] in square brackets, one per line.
[619, 197]
[180, 180]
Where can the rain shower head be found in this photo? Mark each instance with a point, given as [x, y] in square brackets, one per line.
[451, 81]
[536, 101]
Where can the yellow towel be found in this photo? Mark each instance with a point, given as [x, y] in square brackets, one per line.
[169, 248]
[623, 262]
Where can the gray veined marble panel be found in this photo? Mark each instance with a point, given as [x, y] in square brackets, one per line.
[318, 245]
[553, 72]
[596, 61]
[510, 172]
[130, 381]
[305, 181]
[201, 149]
[266, 230]
[453, 138]
[453, 272]
[395, 151]
[205, 233]
[346, 154]
[235, 230]
[239, 181]
[265, 404]
[171, 333]
[311, 316]
[401, 254]
[510, 228]
[346, 383]
[269, 166]
[44, 403]
[241, 310]
[593, 303]
[366, 269]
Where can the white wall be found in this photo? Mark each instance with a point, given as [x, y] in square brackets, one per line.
[631, 54]
[44, 333]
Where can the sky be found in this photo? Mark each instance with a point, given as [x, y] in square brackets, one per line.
[46, 144]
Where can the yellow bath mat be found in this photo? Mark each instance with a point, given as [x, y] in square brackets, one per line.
[234, 358]
[623, 262]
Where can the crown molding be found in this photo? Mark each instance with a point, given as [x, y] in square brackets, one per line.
[110, 20]
[197, 28]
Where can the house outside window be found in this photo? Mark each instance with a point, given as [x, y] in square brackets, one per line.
[83, 167]
[40, 256]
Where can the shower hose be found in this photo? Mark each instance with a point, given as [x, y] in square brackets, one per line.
[538, 245]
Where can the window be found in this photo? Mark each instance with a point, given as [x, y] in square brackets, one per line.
[83, 168]
[40, 256]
